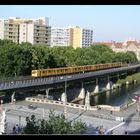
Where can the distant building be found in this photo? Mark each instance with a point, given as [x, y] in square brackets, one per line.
[130, 45]
[21, 30]
[74, 37]
[80, 38]
[60, 37]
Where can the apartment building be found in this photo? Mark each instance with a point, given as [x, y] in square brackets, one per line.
[75, 37]
[21, 30]
[80, 38]
[60, 37]
[72, 36]
[87, 37]
[9, 30]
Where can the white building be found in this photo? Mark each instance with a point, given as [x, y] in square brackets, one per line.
[87, 38]
[60, 37]
[73, 36]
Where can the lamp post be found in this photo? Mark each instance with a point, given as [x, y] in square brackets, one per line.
[65, 104]
[19, 121]
[14, 103]
[43, 113]
[1, 104]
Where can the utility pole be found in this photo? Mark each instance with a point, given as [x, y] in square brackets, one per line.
[14, 104]
[65, 103]
[43, 113]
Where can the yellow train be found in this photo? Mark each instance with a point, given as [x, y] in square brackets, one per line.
[72, 70]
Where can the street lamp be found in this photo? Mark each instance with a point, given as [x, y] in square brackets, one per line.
[14, 103]
[19, 121]
[65, 103]
[1, 104]
[43, 113]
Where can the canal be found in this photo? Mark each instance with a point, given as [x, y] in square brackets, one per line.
[115, 97]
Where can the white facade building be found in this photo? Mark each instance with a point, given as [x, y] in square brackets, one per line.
[60, 37]
[1, 29]
[73, 36]
[87, 37]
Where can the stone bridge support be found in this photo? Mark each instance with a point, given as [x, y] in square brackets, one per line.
[13, 97]
[96, 90]
[82, 93]
[47, 92]
[109, 84]
[87, 100]
[64, 97]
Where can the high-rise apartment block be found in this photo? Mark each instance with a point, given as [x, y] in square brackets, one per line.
[80, 38]
[74, 37]
[21, 30]
[60, 37]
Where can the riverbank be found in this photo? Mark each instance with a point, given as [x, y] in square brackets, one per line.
[131, 79]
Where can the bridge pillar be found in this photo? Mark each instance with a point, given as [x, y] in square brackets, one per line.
[13, 97]
[109, 85]
[64, 97]
[82, 94]
[87, 100]
[47, 92]
[96, 90]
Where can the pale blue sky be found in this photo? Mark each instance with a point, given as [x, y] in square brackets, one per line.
[112, 22]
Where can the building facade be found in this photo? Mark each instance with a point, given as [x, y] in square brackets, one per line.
[60, 37]
[74, 37]
[129, 45]
[87, 37]
[20, 30]
[80, 38]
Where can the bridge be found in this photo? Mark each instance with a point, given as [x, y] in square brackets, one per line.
[30, 82]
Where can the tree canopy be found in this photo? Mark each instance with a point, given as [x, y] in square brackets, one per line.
[21, 59]
[56, 124]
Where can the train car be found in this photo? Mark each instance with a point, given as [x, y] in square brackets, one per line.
[72, 70]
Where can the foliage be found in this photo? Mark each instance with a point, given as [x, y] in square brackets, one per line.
[21, 59]
[56, 124]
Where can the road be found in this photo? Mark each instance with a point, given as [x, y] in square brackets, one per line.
[21, 109]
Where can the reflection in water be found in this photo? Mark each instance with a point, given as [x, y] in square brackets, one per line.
[96, 98]
[116, 97]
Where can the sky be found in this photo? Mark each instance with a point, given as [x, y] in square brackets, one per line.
[108, 22]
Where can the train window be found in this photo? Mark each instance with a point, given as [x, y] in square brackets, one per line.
[33, 72]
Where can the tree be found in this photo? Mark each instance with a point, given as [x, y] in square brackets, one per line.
[32, 125]
[56, 124]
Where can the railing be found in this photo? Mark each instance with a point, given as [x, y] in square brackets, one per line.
[28, 81]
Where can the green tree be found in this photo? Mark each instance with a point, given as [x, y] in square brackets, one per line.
[56, 124]
[32, 125]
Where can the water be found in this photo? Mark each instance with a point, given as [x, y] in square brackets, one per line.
[116, 97]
